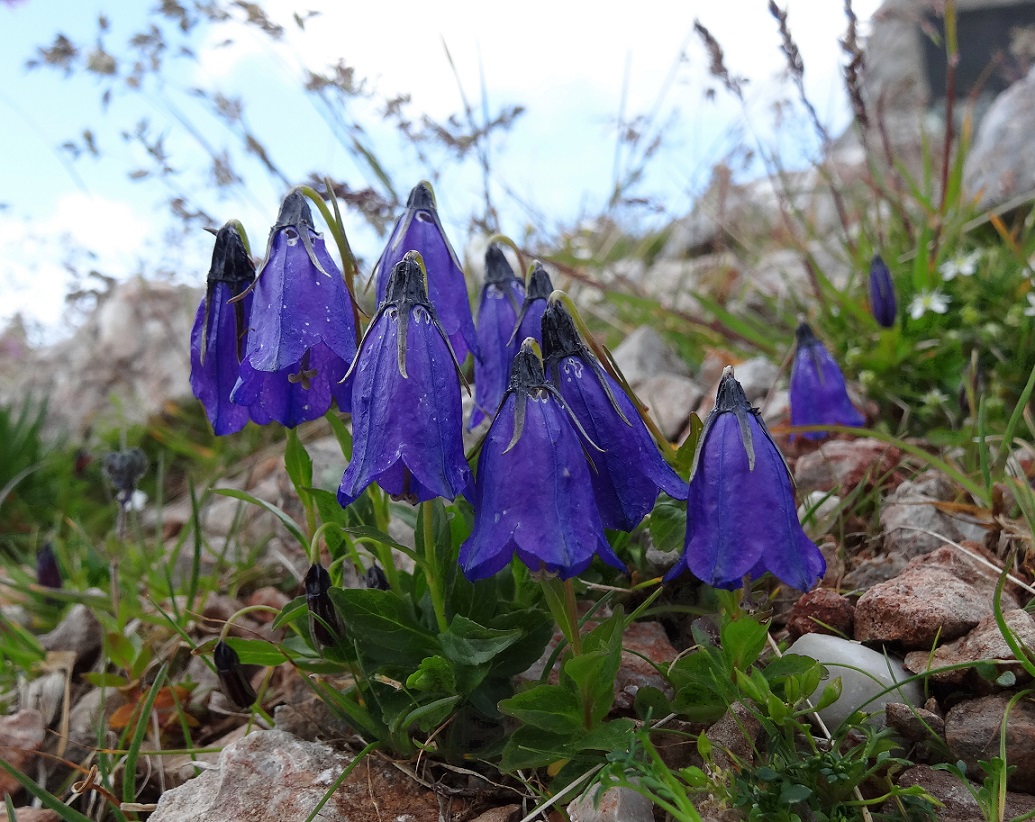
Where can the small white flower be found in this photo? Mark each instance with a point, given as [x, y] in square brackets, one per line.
[934, 398]
[962, 265]
[1030, 310]
[926, 301]
[137, 501]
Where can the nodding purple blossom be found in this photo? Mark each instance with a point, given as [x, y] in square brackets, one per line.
[405, 390]
[47, 572]
[629, 471]
[502, 297]
[882, 293]
[420, 229]
[537, 292]
[301, 330]
[532, 494]
[741, 516]
[818, 394]
[220, 330]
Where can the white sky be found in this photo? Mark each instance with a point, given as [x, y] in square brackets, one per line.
[567, 63]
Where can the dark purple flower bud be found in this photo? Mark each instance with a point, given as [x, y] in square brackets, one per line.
[323, 619]
[375, 578]
[502, 298]
[533, 495]
[882, 293]
[231, 676]
[217, 340]
[741, 516]
[302, 333]
[406, 418]
[631, 470]
[819, 395]
[123, 470]
[47, 572]
[538, 291]
[420, 229]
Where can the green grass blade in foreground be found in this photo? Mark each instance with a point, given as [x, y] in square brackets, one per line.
[143, 721]
[1016, 647]
[1015, 419]
[44, 796]
[287, 521]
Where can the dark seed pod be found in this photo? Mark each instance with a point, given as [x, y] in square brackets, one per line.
[375, 578]
[323, 619]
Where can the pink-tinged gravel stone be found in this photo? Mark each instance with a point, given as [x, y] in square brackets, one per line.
[973, 729]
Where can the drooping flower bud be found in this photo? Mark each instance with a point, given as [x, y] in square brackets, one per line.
[323, 618]
[818, 392]
[231, 676]
[882, 293]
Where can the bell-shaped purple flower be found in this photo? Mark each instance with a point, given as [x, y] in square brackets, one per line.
[420, 229]
[231, 675]
[741, 517]
[302, 332]
[502, 298]
[533, 495]
[324, 626]
[537, 292]
[882, 293]
[630, 470]
[218, 337]
[406, 418]
[818, 392]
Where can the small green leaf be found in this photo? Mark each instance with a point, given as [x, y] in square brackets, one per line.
[435, 675]
[257, 651]
[667, 525]
[548, 707]
[791, 793]
[742, 641]
[294, 610]
[385, 625]
[468, 643]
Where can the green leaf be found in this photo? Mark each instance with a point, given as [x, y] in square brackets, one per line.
[667, 525]
[435, 674]
[294, 610]
[385, 625]
[530, 747]
[550, 708]
[696, 678]
[742, 641]
[298, 463]
[257, 651]
[469, 643]
[427, 717]
[537, 630]
[341, 432]
[791, 793]
[651, 703]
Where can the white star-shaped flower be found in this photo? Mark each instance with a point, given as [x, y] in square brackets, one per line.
[1030, 310]
[962, 265]
[926, 301]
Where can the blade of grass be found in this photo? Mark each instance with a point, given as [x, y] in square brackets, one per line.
[133, 752]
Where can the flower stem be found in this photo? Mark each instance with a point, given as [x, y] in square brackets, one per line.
[431, 566]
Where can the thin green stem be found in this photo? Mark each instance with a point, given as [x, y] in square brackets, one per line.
[431, 567]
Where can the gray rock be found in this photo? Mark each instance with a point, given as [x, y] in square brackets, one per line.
[756, 376]
[270, 776]
[919, 606]
[984, 642]
[1000, 164]
[842, 464]
[913, 525]
[21, 736]
[79, 633]
[670, 399]
[866, 677]
[973, 730]
[644, 354]
[134, 348]
[956, 797]
[614, 805]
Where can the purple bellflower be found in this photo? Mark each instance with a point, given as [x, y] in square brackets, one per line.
[502, 298]
[302, 332]
[218, 337]
[818, 392]
[882, 293]
[406, 418]
[532, 494]
[420, 229]
[537, 292]
[741, 517]
[631, 470]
